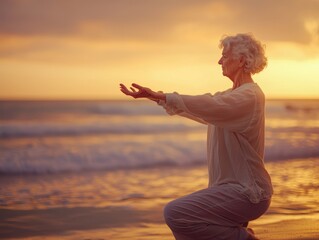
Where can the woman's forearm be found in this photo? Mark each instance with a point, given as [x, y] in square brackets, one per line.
[157, 96]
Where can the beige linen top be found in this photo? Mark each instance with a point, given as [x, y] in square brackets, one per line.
[235, 136]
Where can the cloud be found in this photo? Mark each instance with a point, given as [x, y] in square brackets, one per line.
[116, 19]
[281, 20]
[106, 31]
[159, 40]
[146, 20]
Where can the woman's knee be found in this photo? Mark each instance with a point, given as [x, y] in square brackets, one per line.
[169, 211]
[175, 211]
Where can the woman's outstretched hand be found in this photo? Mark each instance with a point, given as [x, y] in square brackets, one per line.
[138, 91]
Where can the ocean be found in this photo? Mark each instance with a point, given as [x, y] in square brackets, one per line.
[57, 136]
[64, 164]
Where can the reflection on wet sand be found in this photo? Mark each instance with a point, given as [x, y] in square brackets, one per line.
[127, 204]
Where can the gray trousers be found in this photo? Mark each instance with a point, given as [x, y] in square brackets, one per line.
[214, 213]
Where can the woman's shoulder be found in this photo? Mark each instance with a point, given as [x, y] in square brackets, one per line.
[250, 89]
[249, 93]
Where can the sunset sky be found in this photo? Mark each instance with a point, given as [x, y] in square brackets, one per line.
[76, 49]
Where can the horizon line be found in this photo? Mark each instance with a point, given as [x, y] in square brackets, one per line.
[125, 99]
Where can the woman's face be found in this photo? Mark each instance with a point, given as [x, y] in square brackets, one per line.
[230, 65]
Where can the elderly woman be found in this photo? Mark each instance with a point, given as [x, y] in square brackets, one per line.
[239, 188]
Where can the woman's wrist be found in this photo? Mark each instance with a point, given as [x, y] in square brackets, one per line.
[160, 96]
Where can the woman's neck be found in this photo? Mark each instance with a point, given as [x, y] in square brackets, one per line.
[241, 78]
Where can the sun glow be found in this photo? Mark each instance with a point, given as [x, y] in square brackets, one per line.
[167, 47]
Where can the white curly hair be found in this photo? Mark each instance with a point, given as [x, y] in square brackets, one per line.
[245, 45]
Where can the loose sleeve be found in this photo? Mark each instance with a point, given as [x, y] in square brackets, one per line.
[232, 109]
[171, 110]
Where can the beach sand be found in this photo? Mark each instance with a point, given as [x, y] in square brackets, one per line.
[118, 205]
[123, 223]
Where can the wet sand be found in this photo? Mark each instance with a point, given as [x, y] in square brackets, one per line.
[123, 223]
[122, 205]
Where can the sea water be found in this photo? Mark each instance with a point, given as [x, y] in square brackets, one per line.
[105, 169]
[59, 136]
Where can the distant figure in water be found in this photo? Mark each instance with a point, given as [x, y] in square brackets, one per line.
[239, 188]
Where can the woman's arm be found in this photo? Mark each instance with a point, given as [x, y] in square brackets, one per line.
[138, 91]
[231, 109]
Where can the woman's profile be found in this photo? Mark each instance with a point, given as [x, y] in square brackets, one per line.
[239, 188]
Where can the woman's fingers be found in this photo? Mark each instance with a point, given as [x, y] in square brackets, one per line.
[122, 85]
[137, 86]
[133, 90]
[124, 89]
